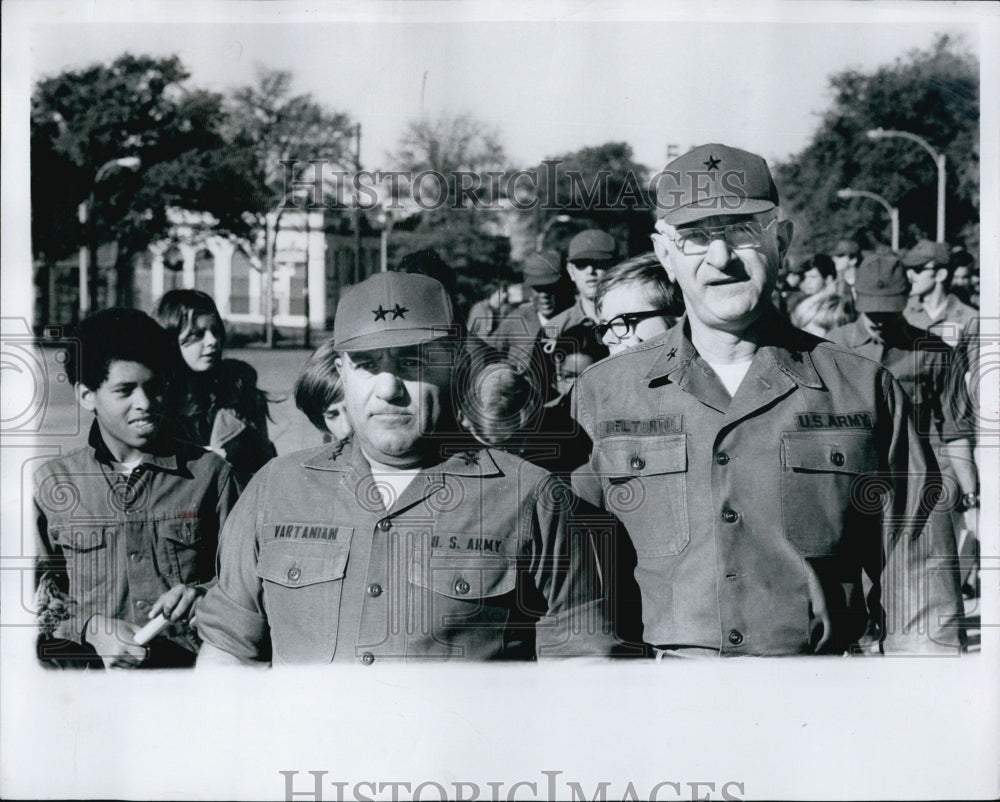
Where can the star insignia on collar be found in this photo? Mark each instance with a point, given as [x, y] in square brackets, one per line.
[399, 311]
[671, 353]
[470, 457]
[712, 163]
[380, 313]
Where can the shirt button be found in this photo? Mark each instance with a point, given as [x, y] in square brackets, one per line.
[463, 587]
[722, 459]
[638, 463]
[141, 605]
[735, 637]
[837, 458]
[367, 658]
[374, 589]
[135, 556]
[294, 574]
[730, 516]
[385, 525]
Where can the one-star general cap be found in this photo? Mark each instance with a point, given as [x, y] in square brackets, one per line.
[714, 180]
[881, 284]
[592, 245]
[389, 310]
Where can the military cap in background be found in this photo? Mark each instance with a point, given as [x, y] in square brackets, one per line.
[926, 251]
[541, 269]
[881, 284]
[592, 245]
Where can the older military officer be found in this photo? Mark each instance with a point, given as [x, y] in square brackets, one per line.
[407, 543]
[758, 469]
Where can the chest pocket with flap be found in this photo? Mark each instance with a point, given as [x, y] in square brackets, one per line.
[302, 583]
[87, 547]
[464, 577]
[824, 494]
[644, 480]
[179, 542]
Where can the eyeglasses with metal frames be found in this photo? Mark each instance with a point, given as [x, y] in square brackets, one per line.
[747, 234]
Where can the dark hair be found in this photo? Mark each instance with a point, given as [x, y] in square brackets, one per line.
[117, 335]
[821, 262]
[428, 262]
[645, 271]
[194, 398]
[319, 385]
[177, 311]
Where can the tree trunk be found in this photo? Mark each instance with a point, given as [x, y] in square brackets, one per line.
[124, 279]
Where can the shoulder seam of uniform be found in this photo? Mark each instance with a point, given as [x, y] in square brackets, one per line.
[628, 352]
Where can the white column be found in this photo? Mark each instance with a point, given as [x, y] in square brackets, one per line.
[317, 270]
[222, 251]
[255, 290]
[189, 252]
[158, 250]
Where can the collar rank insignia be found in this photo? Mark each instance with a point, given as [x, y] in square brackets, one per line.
[470, 457]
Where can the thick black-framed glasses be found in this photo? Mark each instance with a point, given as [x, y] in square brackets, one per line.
[624, 324]
[748, 234]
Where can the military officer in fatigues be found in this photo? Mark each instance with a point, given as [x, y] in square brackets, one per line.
[407, 543]
[759, 469]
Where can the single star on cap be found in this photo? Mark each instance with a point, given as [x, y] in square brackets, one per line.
[399, 311]
[684, 194]
[380, 313]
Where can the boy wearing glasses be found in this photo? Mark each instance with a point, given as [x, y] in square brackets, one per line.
[759, 470]
[635, 301]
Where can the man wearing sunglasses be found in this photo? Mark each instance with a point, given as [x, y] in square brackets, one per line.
[760, 470]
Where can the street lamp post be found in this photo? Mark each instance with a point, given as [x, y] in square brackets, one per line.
[939, 160]
[88, 251]
[385, 221]
[893, 211]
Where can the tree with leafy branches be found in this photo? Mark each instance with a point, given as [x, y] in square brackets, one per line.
[932, 93]
[136, 106]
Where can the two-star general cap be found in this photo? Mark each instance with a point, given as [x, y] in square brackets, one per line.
[389, 310]
[881, 284]
[714, 180]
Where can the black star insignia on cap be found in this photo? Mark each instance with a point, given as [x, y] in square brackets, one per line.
[399, 311]
[712, 163]
[380, 313]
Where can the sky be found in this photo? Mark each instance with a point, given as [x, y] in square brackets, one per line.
[548, 85]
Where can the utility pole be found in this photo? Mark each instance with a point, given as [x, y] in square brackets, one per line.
[357, 205]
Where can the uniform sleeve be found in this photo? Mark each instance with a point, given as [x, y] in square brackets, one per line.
[566, 571]
[921, 596]
[231, 616]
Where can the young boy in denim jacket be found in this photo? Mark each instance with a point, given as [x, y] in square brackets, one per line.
[126, 526]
